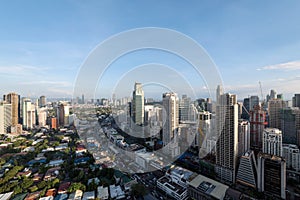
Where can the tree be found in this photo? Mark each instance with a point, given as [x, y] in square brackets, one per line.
[42, 184]
[138, 190]
[92, 186]
[26, 183]
[33, 188]
[76, 186]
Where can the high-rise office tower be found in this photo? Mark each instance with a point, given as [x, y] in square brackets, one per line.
[273, 94]
[253, 101]
[296, 100]
[204, 132]
[13, 99]
[247, 172]
[82, 99]
[5, 117]
[290, 123]
[42, 116]
[28, 114]
[244, 137]
[63, 114]
[137, 105]
[274, 109]
[271, 175]
[291, 154]
[219, 92]
[170, 117]
[42, 101]
[184, 108]
[227, 144]
[272, 141]
[257, 125]
[246, 108]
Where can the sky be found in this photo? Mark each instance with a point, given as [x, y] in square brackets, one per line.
[43, 44]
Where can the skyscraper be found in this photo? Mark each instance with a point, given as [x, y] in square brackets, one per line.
[271, 175]
[253, 101]
[246, 108]
[171, 117]
[219, 92]
[273, 94]
[290, 123]
[5, 117]
[272, 141]
[13, 99]
[184, 107]
[227, 144]
[296, 100]
[28, 110]
[137, 105]
[244, 137]
[42, 101]
[247, 172]
[257, 125]
[204, 132]
[274, 109]
[63, 114]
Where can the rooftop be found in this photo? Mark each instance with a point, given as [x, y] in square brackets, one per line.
[209, 186]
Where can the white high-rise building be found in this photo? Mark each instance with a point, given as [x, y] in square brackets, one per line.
[291, 153]
[171, 121]
[42, 116]
[204, 133]
[227, 133]
[244, 137]
[272, 141]
[28, 110]
[5, 117]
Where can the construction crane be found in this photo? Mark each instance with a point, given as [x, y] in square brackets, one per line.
[262, 96]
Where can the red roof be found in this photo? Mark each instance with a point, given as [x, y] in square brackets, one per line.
[51, 192]
[63, 187]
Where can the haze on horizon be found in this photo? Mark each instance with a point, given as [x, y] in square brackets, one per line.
[43, 44]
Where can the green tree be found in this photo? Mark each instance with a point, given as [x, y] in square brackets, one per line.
[18, 189]
[26, 183]
[33, 188]
[138, 190]
[42, 184]
[76, 186]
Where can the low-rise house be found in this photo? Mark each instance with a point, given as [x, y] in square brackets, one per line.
[77, 195]
[55, 163]
[61, 197]
[29, 149]
[51, 173]
[63, 187]
[37, 177]
[88, 195]
[24, 173]
[47, 198]
[102, 193]
[51, 192]
[116, 192]
[33, 196]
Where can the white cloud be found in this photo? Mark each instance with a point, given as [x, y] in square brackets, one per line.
[288, 66]
[21, 69]
[44, 82]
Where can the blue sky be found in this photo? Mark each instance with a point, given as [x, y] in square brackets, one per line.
[44, 43]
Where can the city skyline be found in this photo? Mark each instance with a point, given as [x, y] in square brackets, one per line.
[46, 60]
